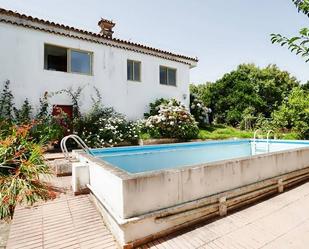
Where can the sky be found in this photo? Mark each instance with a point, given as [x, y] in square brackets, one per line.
[222, 34]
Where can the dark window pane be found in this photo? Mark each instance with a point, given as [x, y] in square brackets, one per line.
[80, 62]
[163, 75]
[55, 58]
[171, 75]
[137, 68]
[130, 70]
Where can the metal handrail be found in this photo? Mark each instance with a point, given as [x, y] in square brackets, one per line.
[267, 138]
[256, 131]
[254, 139]
[79, 142]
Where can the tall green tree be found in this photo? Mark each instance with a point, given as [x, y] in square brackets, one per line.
[249, 87]
[294, 113]
[297, 44]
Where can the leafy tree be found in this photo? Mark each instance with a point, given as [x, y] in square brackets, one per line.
[297, 44]
[305, 86]
[202, 91]
[262, 89]
[294, 113]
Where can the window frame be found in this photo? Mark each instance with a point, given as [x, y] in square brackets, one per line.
[167, 80]
[140, 70]
[69, 62]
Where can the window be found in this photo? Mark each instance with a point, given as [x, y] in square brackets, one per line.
[67, 60]
[134, 70]
[55, 58]
[80, 62]
[167, 76]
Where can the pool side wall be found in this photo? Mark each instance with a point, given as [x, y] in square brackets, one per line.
[168, 188]
[127, 196]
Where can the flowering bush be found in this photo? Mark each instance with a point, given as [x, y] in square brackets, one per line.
[105, 127]
[199, 111]
[154, 107]
[173, 120]
[21, 164]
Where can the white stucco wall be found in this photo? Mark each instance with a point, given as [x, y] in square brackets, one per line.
[22, 62]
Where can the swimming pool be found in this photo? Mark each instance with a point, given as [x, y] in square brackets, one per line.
[139, 159]
[148, 191]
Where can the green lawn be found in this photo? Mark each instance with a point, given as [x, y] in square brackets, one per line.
[223, 132]
[217, 132]
[227, 132]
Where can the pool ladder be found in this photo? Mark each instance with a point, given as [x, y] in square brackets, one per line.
[267, 140]
[79, 142]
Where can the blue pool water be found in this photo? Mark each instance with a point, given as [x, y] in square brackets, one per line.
[138, 159]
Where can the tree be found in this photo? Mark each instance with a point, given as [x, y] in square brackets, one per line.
[261, 89]
[294, 113]
[305, 86]
[297, 44]
[202, 91]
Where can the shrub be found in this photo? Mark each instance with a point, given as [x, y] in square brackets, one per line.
[199, 111]
[105, 127]
[263, 123]
[6, 102]
[21, 164]
[48, 130]
[173, 121]
[46, 127]
[154, 107]
[248, 118]
[23, 115]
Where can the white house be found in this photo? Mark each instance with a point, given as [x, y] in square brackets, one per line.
[39, 56]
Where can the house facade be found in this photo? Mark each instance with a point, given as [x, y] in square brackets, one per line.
[39, 56]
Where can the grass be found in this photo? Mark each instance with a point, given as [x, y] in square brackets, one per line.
[216, 132]
[219, 132]
[223, 132]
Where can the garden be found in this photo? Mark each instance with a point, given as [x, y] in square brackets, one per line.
[242, 101]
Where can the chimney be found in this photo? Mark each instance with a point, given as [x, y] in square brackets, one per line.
[106, 27]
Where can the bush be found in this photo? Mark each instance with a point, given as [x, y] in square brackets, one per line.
[154, 107]
[263, 123]
[6, 102]
[199, 111]
[105, 127]
[23, 115]
[44, 126]
[248, 118]
[21, 164]
[173, 121]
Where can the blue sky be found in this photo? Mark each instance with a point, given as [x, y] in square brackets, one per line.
[222, 34]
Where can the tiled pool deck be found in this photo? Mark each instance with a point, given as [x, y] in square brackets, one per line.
[281, 222]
